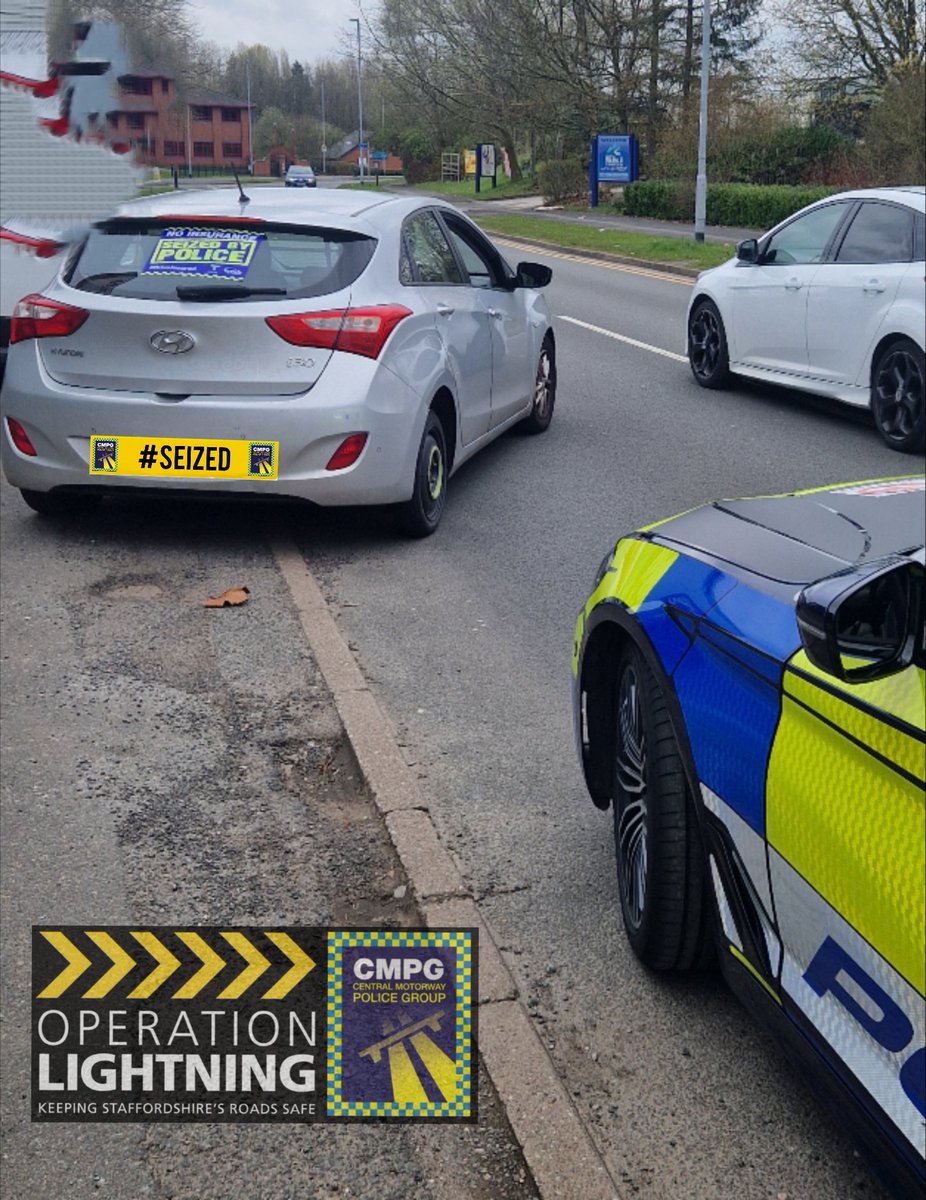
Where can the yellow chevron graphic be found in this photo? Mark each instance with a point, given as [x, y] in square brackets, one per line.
[406, 1086]
[77, 963]
[212, 964]
[166, 960]
[122, 964]
[256, 965]
[302, 964]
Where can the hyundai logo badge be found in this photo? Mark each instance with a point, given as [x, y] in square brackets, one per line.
[173, 342]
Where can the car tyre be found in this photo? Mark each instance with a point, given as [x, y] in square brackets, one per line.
[420, 516]
[897, 401]
[54, 504]
[660, 860]
[541, 413]
[707, 346]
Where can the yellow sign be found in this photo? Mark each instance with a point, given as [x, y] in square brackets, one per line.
[187, 458]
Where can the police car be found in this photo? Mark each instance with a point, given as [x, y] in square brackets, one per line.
[748, 684]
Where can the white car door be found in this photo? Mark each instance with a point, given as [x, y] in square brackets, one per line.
[769, 298]
[850, 296]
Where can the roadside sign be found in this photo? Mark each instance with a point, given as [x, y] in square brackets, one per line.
[614, 159]
[485, 163]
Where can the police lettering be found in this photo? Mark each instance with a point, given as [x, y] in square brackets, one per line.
[883, 1019]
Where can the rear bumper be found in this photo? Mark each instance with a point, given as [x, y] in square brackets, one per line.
[354, 395]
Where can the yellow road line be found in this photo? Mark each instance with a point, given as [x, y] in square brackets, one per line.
[620, 337]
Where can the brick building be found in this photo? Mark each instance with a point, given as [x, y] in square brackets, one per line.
[205, 130]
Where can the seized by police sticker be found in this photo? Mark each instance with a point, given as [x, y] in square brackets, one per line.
[187, 458]
[252, 1024]
[221, 253]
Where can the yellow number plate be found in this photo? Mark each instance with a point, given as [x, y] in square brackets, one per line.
[183, 458]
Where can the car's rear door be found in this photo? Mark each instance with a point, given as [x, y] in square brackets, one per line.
[845, 828]
[850, 296]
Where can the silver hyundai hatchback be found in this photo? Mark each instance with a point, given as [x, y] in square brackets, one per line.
[355, 349]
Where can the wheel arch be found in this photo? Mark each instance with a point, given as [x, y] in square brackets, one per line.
[445, 408]
[609, 626]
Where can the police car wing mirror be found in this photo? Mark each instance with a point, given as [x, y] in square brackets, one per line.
[533, 275]
[863, 623]
[747, 251]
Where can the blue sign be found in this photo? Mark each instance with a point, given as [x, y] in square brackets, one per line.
[616, 157]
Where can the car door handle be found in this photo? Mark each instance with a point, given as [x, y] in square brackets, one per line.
[444, 310]
[873, 286]
[793, 284]
[494, 312]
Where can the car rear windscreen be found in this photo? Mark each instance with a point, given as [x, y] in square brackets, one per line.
[151, 259]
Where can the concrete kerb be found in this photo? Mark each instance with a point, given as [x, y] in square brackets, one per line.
[556, 1145]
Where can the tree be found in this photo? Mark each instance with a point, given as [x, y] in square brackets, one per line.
[895, 143]
[849, 47]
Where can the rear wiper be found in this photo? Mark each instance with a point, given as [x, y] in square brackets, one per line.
[229, 291]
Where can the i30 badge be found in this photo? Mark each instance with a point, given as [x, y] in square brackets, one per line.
[173, 342]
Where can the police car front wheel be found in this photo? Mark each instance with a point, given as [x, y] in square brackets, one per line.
[660, 862]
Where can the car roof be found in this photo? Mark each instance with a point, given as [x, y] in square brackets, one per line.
[913, 195]
[365, 211]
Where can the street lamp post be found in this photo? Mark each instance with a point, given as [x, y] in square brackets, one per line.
[701, 181]
[324, 134]
[247, 68]
[356, 21]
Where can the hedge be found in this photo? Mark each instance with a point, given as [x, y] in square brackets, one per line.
[562, 179]
[748, 205]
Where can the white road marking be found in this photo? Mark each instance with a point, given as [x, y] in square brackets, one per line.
[627, 268]
[619, 337]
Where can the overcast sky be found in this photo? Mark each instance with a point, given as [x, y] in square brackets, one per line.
[307, 30]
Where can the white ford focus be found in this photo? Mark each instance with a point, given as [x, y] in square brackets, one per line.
[355, 349]
[831, 301]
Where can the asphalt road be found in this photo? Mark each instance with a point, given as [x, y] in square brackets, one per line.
[165, 764]
[466, 640]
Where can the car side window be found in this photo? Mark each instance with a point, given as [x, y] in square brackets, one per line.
[479, 259]
[879, 233]
[919, 241]
[426, 254]
[804, 240]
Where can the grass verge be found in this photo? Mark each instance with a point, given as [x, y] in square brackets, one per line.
[679, 251]
[504, 190]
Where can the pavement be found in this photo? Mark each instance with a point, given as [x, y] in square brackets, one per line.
[557, 1149]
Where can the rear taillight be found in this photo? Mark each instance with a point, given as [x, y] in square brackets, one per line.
[354, 330]
[20, 438]
[347, 453]
[37, 317]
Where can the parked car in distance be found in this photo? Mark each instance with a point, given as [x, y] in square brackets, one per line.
[343, 348]
[748, 683]
[300, 177]
[831, 301]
